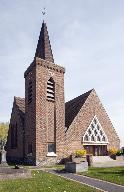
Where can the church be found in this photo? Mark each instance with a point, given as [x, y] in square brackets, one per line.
[43, 127]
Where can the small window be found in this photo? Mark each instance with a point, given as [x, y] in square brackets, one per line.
[92, 126]
[95, 132]
[98, 138]
[103, 139]
[101, 132]
[86, 138]
[98, 127]
[92, 138]
[95, 121]
[29, 148]
[89, 131]
[51, 147]
[30, 92]
[50, 89]
[14, 136]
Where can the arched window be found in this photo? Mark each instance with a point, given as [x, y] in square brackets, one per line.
[50, 89]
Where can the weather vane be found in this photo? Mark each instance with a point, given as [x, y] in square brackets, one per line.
[44, 11]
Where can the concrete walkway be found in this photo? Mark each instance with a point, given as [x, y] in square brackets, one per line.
[98, 184]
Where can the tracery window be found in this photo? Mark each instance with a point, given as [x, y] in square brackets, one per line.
[95, 133]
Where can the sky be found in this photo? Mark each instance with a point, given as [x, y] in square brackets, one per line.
[87, 38]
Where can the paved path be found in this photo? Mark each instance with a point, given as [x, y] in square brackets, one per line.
[103, 185]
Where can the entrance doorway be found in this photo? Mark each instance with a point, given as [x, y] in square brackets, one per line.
[96, 150]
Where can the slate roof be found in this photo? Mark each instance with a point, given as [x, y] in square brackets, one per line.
[73, 106]
[20, 102]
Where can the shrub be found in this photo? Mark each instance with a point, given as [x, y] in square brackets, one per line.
[80, 153]
[119, 152]
[112, 151]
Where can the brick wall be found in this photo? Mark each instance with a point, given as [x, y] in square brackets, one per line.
[30, 113]
[45, 119]
[91, 107]
[15, 154]
[50, 115]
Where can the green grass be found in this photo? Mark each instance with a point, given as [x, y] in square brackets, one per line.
[43, 182]
[113, 174]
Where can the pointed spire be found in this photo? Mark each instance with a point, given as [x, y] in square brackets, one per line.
[44, 50]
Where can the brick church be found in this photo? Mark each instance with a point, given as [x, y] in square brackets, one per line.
[43, 127]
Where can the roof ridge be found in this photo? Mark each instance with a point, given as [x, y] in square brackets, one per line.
[81, 95]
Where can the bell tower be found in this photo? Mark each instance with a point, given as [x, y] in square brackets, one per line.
[44, 104]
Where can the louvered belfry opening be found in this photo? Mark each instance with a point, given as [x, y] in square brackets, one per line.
[30, 92]
[51, 89]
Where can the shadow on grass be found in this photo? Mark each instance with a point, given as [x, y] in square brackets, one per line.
[62, 171]
[121, 172]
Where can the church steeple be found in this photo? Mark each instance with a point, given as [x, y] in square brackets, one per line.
[44, 50]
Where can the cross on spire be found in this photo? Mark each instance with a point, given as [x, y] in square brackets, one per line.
[44, 11]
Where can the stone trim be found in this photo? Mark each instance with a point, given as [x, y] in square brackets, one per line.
[51, 154]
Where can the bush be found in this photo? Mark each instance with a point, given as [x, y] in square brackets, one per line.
[80, 153]
[112, 151]
[119, 152]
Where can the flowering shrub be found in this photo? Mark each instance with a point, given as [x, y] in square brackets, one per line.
[80, 153]
[112, 151]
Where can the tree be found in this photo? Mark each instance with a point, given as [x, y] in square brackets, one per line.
[3, 133]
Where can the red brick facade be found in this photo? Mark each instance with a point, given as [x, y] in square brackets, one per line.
[15, 141]
[91, 107]
[44, 118]
[50, 125]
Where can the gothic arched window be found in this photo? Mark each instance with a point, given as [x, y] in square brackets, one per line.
[51, 89]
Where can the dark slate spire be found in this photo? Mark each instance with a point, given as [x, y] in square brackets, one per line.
[44, 50]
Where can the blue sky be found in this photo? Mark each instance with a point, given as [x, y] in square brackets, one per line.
[87, 38]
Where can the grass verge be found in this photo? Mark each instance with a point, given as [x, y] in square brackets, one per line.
[112, 174]
[43, 182]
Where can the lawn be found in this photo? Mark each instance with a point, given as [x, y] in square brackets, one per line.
[43, 182]
[113, 174]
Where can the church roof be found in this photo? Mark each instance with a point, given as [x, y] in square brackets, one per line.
[73, 106]
[20, 102]
[43, 49]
